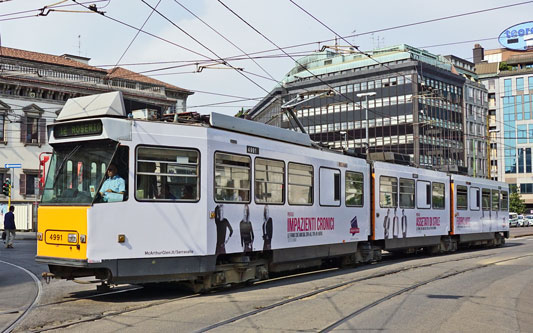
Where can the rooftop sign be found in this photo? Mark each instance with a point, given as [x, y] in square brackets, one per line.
[518, 37]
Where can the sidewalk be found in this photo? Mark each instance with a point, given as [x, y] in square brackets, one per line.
[25, 235]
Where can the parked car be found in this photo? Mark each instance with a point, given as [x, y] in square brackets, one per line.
[522, 222]
[513, 220]
[530, 220]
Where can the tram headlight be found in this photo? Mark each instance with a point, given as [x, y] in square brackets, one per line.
[72, 238]
[39, 236]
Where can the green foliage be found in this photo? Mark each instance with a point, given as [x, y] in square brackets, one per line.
[516, 203]
[504, 66]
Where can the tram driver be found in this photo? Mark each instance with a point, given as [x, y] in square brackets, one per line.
[114, 186]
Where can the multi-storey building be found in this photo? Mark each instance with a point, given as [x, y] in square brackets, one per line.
[508, 75]
[417, 108]
[33, 88]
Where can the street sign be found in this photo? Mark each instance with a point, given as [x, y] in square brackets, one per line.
[13, 166]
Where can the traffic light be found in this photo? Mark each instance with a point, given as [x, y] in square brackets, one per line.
[6, 187]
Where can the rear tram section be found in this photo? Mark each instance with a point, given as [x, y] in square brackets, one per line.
[229, 201]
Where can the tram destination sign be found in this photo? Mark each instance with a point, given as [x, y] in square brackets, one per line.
[92, 127]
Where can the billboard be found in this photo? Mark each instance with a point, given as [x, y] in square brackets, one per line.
[518, 37]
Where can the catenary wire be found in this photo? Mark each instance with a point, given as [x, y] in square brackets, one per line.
[223, 62]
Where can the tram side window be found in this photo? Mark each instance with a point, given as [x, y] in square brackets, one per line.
[167, 174]
[330, 187]
[485, 199]
[407, 193]
[474, 198]
[269, 181]
[505, 201]
[300, 184]
[354, 187]
[232, 178]
[423, 194]
[462, 197]
[495, 200]
[388, 192]
[437, 197]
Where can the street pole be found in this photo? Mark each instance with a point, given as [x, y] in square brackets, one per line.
[365, 95]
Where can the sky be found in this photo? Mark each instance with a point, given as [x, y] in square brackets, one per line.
[183, 42]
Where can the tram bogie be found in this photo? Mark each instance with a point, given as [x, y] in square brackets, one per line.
[231, 201]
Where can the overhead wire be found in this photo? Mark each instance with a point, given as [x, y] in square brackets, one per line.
[223, 62]
[137, 34]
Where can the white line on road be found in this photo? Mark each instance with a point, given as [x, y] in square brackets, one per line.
[35, 301]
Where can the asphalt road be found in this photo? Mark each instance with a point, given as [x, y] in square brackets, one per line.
[476, 290]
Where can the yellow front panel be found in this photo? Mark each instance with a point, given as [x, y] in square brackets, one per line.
[55, 224]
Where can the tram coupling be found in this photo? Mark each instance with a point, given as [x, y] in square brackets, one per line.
[47, 276]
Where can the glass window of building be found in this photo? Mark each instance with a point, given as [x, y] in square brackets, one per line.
[508, 87]
[519, 84]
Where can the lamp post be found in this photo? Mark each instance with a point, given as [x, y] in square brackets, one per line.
[365, 95]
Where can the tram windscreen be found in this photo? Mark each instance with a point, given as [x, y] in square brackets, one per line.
[76, 172]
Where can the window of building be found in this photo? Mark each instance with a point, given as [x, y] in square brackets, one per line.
[27, 180]
[407, 193]
[528, 160]
[354, 187]
[165, 174]
[269, 181]
[519, 84]
[232, 177]
[462, 197]
[3, 137]
[300, 184]
[4, 174]
[388, 192]
[530, 82]
[33, 126]
[437, 196]
[508, 87]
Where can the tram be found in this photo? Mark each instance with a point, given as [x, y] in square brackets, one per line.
[231, 200]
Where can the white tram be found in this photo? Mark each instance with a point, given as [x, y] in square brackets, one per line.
[232, 200]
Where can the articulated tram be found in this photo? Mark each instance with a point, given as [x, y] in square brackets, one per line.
[232, 200]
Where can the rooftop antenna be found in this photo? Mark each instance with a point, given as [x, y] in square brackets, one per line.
[79, 45]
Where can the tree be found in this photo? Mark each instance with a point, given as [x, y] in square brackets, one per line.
[516, 203]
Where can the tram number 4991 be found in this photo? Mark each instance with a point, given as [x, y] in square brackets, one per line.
[56, 237]
[252, 150]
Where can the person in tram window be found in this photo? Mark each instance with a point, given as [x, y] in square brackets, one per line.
[222, 224]
[247, 232]
[114, 186]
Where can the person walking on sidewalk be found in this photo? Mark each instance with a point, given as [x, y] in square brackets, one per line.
[9, 227]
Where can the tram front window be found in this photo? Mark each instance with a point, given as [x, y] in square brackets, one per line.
[77, 171]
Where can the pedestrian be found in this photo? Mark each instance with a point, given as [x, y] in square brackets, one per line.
[9, 227]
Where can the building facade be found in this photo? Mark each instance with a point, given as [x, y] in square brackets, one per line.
[417, 109]
[33, 88]
[508, 75]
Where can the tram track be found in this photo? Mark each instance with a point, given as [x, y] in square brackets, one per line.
[359, 311]
[272, 306]
[33, 303]
[342, 285]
